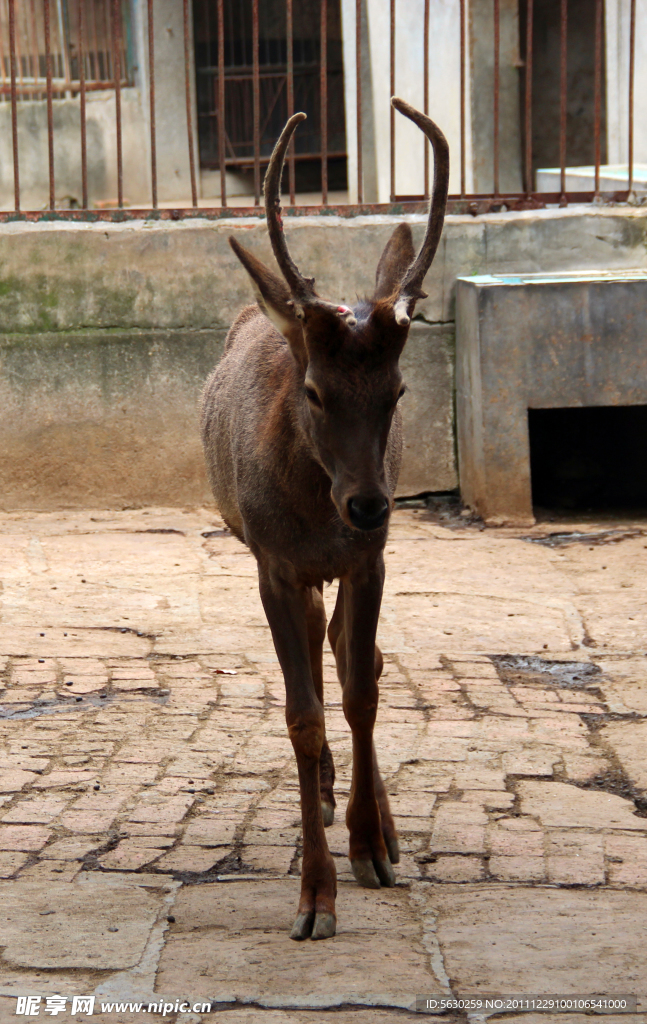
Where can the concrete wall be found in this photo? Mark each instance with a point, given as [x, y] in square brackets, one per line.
[108, 332]
[102, 151]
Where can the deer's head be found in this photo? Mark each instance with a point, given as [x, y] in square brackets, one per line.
[347, 359]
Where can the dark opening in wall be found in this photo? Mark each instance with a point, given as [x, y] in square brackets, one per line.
[589, 459]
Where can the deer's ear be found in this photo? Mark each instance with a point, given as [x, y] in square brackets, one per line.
[273, 297]
[397, 257]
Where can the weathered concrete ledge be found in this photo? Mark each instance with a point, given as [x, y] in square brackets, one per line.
[107, 332]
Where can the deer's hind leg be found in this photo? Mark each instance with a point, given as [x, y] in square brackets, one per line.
[342, 625]
[316, 620]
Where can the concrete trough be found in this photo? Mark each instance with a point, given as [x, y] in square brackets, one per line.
[538, 341]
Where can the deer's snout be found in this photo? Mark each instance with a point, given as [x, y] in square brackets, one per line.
[367, 513]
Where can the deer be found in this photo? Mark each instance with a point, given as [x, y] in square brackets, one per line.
[302, 437]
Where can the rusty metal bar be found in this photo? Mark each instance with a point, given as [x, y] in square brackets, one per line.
[597, 92]
[358, 97]
[116, 69]
[19, 56]
[151, 100]
[473, 204]
[257, 106]
[528, 96]
[632, 64]
[462, 126]
[187, 94]
[14, 104]
[563, 86]
[3, 69]
[392, 93]
[221, 102]
[50, 109]
[65, 56]
[324, 101]
[289, 32]
[497, 49]
[58, 85]
[95, 48]
[425, 88]
[84, 140]
[33, 35]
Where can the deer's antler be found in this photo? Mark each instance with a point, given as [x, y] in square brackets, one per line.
[410, 287]
[302, 288]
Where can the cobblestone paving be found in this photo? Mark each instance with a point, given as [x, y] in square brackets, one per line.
[149, 810]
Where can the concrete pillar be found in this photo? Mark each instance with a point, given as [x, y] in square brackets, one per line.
[444, 93]
[173, 173]
[617, 15]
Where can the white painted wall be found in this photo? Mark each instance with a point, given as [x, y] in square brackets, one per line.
[444, 93]
[617, 60]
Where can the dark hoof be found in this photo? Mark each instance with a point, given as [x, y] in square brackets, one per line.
[393, 849]
[328, 815]
[365, 873]
[325, 926]
[385, 873]
[302, 927]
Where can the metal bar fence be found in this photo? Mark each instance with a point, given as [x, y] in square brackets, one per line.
[83, 112]
[151, 102]
[188, 95]
[528, 100]
[50, 108]
[84, 52]
[496, 97]
[116, 63]
[289, 45]
[323, 87]
[563, 96]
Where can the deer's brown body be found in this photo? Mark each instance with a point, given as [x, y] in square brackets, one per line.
[258, 455]
[303, 442]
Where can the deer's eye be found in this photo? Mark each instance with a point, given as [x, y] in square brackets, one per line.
[313, 397]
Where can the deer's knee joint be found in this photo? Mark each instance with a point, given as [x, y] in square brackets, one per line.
[360, 709]
[307, 733]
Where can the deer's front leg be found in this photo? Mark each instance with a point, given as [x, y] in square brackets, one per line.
[285, 605]
[361, 608]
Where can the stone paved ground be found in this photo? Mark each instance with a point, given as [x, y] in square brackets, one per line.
[149, 819]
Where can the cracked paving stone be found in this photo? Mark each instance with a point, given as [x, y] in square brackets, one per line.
[168, 769]
[514, 940]
[255, 962]
[66, 925]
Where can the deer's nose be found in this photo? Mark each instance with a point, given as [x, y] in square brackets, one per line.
[368, 513]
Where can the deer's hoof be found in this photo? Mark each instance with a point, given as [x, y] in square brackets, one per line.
[328, 815]
[365, 873]
[373, 874]
[302, 927]
[325, 926]
[393, 849]
[385, 873]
